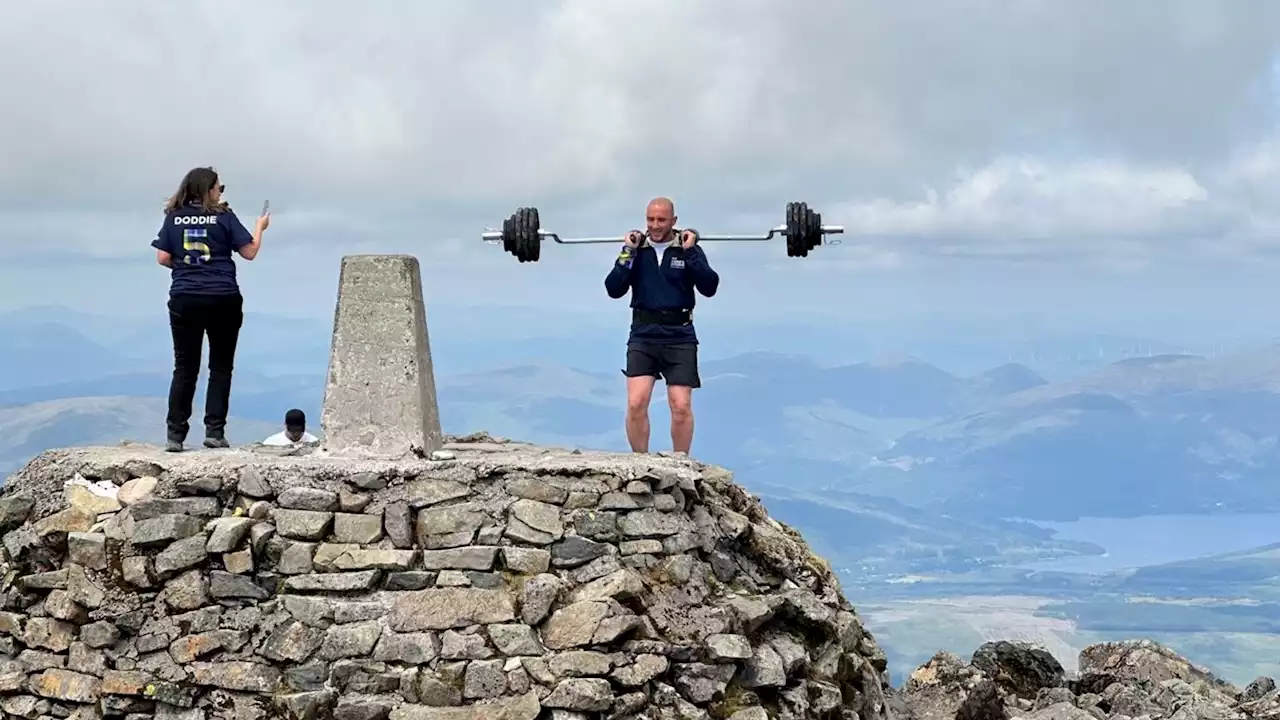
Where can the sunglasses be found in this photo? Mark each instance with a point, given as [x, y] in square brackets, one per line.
[222, 188]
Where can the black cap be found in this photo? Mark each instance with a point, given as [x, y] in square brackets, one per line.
[295, 419]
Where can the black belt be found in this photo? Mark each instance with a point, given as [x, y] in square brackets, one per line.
[661, 317]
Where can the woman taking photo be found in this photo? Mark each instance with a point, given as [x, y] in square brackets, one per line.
[196, 241]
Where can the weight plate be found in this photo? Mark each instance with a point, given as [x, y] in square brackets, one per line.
[536, 224]
[509, 234]
[815, 231]
[793, 228]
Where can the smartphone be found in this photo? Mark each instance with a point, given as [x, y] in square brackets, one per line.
[266, 205]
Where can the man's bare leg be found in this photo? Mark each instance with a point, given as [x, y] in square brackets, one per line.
[639, 392]
[680, 398]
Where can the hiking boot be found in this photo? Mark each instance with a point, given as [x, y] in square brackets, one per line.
[173, 446]
[216, 442]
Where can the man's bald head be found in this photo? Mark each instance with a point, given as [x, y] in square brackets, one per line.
[659, 218]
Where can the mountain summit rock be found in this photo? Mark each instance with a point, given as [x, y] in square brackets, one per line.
[500, 580]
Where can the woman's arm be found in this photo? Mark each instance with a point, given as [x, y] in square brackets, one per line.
[242, 241]
[164, 258]
[249, 251]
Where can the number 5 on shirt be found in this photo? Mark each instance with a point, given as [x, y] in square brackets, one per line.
[195, 250]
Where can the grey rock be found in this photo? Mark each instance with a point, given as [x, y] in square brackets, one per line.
[573, 625]
[344, 641]
[188, 591]
[83, 589]
[637, 547]
[701, 683]
[332, 582]
[725, 647]
[203, 485]
[307, 498]
[580, 663]
[302, 524]
[49, 634]
[764, 669]
[468, 558]
[444, 608]
[66, 685]
[426, 492]
[484, 679]
[359, 529]
[648, 523]
[252, 485]
[452, 578]
[579, 499]
[165, 529]
[573, 551]
[584, 694]
[367, 480]
[407, 648]
[597, 525]
[136, 571]
[154, 507]
[459, 646]
[537, 489]
[449, 526]
[397, 521]
[226, 534]
[14, 510]
[620, 501]
[643, 669]
[410, 580]
[529, 561]
[515, 639]
[520, 531]
[362, 709]
[59, 605]
[619, 585]
[181, 555]
[239, 562]
[296, 559]
[538, 595]
[99, 634]
[228, 585]
[353, 502]
[88, 549]
[292, 641]
[240, 676]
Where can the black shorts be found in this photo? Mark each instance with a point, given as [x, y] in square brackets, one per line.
[677, 364]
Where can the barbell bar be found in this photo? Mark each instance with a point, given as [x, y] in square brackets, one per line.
[522, 233]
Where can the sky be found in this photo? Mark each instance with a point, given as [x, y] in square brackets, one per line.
[1100, 163]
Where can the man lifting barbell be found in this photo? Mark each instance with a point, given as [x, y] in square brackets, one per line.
[662, 272]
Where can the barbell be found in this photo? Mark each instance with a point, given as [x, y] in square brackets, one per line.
[522, 233]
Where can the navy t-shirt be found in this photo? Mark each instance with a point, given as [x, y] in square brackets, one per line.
[662, 283]
[201, 242]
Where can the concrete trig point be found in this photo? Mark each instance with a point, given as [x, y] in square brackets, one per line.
[380, 397]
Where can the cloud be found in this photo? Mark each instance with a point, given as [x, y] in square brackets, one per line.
[960, 128]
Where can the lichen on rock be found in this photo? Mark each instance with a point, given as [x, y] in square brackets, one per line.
[503, 581]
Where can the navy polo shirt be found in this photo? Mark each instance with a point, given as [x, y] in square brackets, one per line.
[201, 242]
[662, 283]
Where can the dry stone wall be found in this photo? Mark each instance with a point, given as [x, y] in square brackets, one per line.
[496, 580]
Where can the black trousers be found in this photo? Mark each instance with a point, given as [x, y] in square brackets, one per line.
[191, 318]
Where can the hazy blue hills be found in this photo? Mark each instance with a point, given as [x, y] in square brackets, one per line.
[28, 430]
[1170, 434]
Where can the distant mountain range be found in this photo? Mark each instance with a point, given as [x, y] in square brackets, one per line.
[28, 430]
[928, 458]
[1174, 434]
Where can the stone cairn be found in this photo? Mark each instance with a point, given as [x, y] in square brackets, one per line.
[498, 581]
[390, 575]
